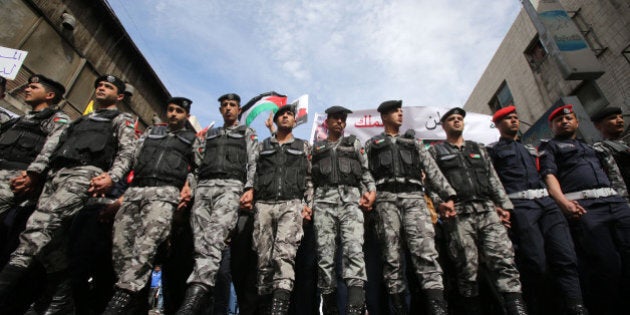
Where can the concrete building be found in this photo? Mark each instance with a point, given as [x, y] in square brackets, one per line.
[74, 42]
[523, 73]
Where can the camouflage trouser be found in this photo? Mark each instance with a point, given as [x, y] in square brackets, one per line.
[64, 194]
[277, 235]
[6, 195]
[141, 225]
[345, 220]
[410, 216]
[467, 231]
[214, 215]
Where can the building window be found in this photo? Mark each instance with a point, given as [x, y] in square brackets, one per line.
[502, 98]
[590, 96]
[587, 31]
[535, 54]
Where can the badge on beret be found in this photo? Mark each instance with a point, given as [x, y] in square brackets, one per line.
[110, 79]
[34, 79]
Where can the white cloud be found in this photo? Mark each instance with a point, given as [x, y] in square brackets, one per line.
[355, 53]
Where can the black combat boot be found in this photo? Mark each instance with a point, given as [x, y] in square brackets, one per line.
[576, 307]
[9, 278]
[198, 298]
[471, 305]
[435, 302]
[120, 302]
[356, 301]
[514, 304]
[61, 301]
[399, 304]
[280, 302]
[329, 303]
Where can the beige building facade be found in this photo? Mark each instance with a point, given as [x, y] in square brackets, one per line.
[522, 71]
[74, 42]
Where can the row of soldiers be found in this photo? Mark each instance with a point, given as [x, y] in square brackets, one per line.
[563, 205]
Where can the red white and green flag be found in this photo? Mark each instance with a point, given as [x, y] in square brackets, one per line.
[272, 101]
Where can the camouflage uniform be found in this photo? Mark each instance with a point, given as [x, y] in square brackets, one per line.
[336, 212]
[401, 208]
[52, 126]
[477, 226]
[144, 219]
[278, 225]
[64, 194]
[215, 210]
[616, 152]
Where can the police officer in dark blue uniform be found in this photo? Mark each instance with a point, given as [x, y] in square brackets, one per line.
[540, 232]
[579, 180]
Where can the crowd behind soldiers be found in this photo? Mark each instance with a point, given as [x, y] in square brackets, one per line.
[389, 227]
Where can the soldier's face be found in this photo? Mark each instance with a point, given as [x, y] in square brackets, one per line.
[230, 109]
[509, 125]
[564, 125]
[107, 93]
[35, 93]
[393, 117]
[176, 116]
[453, 124]
[286, 121]
[336, 123]
[612, 125]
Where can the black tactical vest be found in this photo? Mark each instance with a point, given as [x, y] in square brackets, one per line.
[390, 160]
[339, 166]
[22, 139]
[226, 155]
[164, 159]
[465, 171]
[90, 140]
[281, 171]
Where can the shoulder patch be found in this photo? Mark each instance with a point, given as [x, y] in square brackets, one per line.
[61, 120]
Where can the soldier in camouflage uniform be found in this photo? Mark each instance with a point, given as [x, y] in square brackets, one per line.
[580, 180]
[225, 179]
[475, 225]
[93, 153]
[22, 139]
[397, 163]
[609, 121]
[164, 158]
[340, 171]
[282, 191]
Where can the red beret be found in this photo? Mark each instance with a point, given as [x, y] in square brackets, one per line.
[498, 115]
[562, 110]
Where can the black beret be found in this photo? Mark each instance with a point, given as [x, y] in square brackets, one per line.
[3, 82]
[120, 85]
[230, 96]
[605, 112]
[387, 106]
[337, 110]
[453, 111]
[283, 109]
[58, 87]
[181, 102]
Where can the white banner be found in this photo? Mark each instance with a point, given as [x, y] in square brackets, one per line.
[11, 61]
[424, 120]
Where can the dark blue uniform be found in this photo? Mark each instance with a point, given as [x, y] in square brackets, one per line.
[539, 230]
[602, 235]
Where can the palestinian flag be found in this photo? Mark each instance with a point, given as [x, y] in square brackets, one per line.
[272, 101]
[269, 101]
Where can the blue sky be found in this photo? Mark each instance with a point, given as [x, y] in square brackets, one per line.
[351, 53]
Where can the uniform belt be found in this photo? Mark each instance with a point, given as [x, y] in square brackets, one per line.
[591, 193]
[398, 187]
[529, 194]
